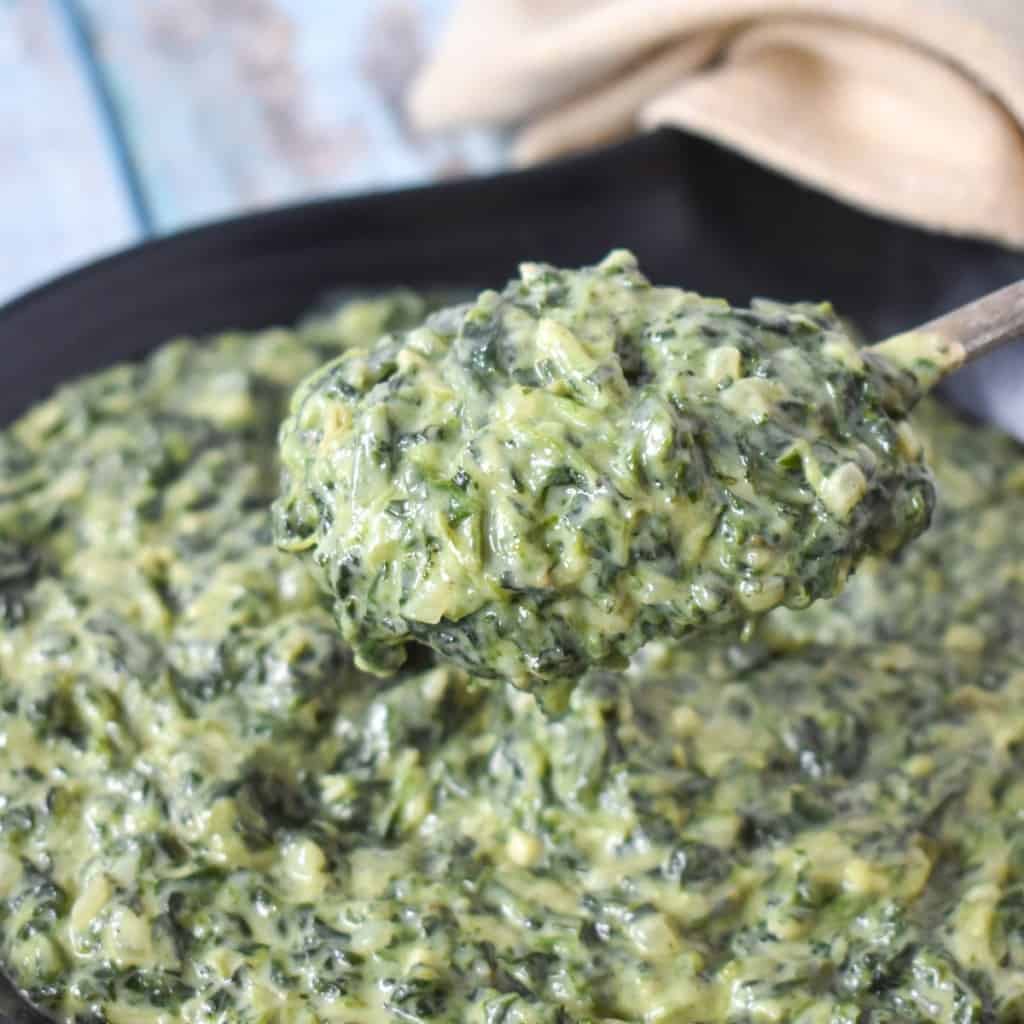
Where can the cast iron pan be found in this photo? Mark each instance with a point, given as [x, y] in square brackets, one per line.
[696, 216]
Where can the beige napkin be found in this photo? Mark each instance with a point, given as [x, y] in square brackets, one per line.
[911, 108]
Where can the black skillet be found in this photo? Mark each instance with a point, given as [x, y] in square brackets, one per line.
[695, 214]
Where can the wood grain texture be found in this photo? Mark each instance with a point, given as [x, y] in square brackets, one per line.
[235, 104]
[61, 201]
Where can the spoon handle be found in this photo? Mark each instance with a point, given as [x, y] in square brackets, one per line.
[984, 324]
[938, 348]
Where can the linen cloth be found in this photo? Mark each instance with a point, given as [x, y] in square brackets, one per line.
[910, 108]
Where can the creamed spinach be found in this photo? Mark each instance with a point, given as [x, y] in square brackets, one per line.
[547, 478]
[209, 815]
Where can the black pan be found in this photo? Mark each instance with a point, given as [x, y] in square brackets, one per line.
[695, 215]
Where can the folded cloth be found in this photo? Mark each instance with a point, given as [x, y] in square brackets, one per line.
[909, 108]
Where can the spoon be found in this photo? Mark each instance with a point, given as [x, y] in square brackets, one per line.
[941, 346]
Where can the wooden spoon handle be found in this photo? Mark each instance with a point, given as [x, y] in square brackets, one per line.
[984, 324]
[941, 346]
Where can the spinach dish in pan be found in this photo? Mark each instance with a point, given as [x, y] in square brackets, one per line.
[210, 814]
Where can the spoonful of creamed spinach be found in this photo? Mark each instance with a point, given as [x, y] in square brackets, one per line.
[544, 479]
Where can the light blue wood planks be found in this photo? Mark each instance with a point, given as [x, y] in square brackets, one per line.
[223, 105]
[61, 199]
[235, 104]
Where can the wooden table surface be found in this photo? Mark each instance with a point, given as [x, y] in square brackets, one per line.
[123, 118]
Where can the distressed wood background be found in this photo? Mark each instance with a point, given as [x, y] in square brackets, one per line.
[122, 118]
